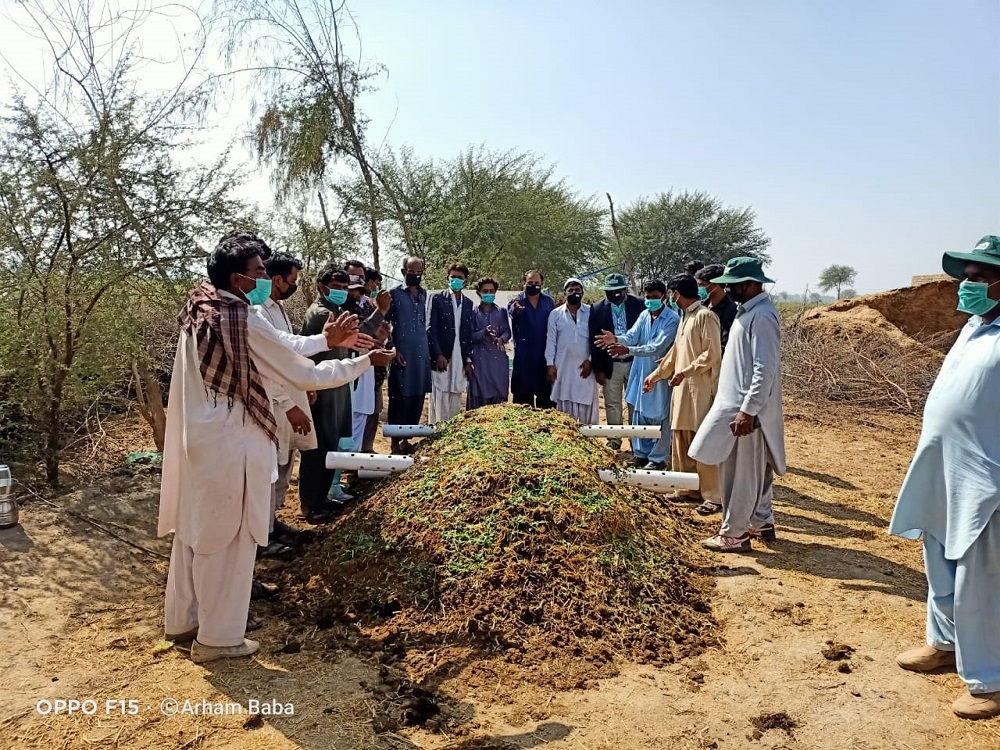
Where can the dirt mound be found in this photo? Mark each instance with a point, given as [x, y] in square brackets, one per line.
[924, 314]
[502, 542]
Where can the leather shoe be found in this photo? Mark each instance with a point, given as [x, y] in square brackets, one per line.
[925, 659]
[977, 706]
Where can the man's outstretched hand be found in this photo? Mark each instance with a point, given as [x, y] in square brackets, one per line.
[341, 330]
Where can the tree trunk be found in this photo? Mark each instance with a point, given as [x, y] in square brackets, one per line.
[372, 206]
[150, 397]
[54, 434]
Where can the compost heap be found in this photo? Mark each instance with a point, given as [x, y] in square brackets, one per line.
[503, 540]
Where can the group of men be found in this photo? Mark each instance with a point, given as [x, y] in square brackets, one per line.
[697, 356]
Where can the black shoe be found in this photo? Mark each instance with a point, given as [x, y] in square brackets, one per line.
[274, 549]
[639, 462]
[656, 466]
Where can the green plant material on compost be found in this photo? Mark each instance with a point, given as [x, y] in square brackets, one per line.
[504, 533]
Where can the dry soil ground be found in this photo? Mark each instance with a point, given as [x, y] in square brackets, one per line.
[80, 614]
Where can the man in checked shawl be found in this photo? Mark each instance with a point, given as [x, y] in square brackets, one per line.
[220, 457]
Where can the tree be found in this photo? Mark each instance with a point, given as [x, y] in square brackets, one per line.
[835, 277]
[310, 117]
[660, 235]
[500, 213]
[93, 210]
[849, 294]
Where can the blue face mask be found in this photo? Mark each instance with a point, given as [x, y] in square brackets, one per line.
[973, 297]
[654, 305]
[337, 296]
[456, 285]
[702, 293]
[259, 294]
[489, 299]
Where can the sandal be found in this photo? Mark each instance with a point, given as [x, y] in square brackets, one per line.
[708, 508]
[261, 590]
[253, 622]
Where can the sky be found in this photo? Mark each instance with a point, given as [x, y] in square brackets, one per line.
[864, 133]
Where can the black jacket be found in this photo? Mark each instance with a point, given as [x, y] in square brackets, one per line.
[441, 330]
[601, 320]
[726, 310]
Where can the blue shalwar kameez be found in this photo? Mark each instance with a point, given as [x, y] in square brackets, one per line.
[528, 384]
[951, 495]
[648, 341]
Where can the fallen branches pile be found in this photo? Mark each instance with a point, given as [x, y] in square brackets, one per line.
[866, 368]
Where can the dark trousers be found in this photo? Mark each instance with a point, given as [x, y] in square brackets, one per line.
[539, 400]
[315, 480]
[405, 409]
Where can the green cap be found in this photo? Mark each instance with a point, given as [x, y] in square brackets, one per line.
[614, 281]
[986, 251]
[743, 269]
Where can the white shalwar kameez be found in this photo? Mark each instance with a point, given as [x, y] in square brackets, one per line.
[567, 347]
[362, 406]
[215, 492]
[447, 387]
[282, 399]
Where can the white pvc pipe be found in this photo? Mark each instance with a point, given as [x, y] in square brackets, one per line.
[614, 430]
[407, 430]
[654, 481]
[369, 461]
[372, 474]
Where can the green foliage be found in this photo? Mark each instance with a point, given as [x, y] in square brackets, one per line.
[99, 226]
[837, 276]
[500, 213]
[660, 235]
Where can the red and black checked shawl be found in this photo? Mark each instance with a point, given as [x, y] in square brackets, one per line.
[219, 325]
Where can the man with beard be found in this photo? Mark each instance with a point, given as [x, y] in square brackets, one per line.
[744, 431]
[617, 313]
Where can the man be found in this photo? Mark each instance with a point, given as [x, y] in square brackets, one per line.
[618, 312]
[567, 354]
[529, 319]
[357, 268]
[410, 374]
[363, 395]
[319, 498]
[744, 431]
[373, 285]
[648, 340]
[718, 301]
[691, 369]
[692, 267]
[290, 406]
[450, 337]
[951, 494]
[220, 457]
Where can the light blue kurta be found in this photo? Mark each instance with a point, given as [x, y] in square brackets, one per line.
[648, 341]
[952, 488]
[749, 381]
